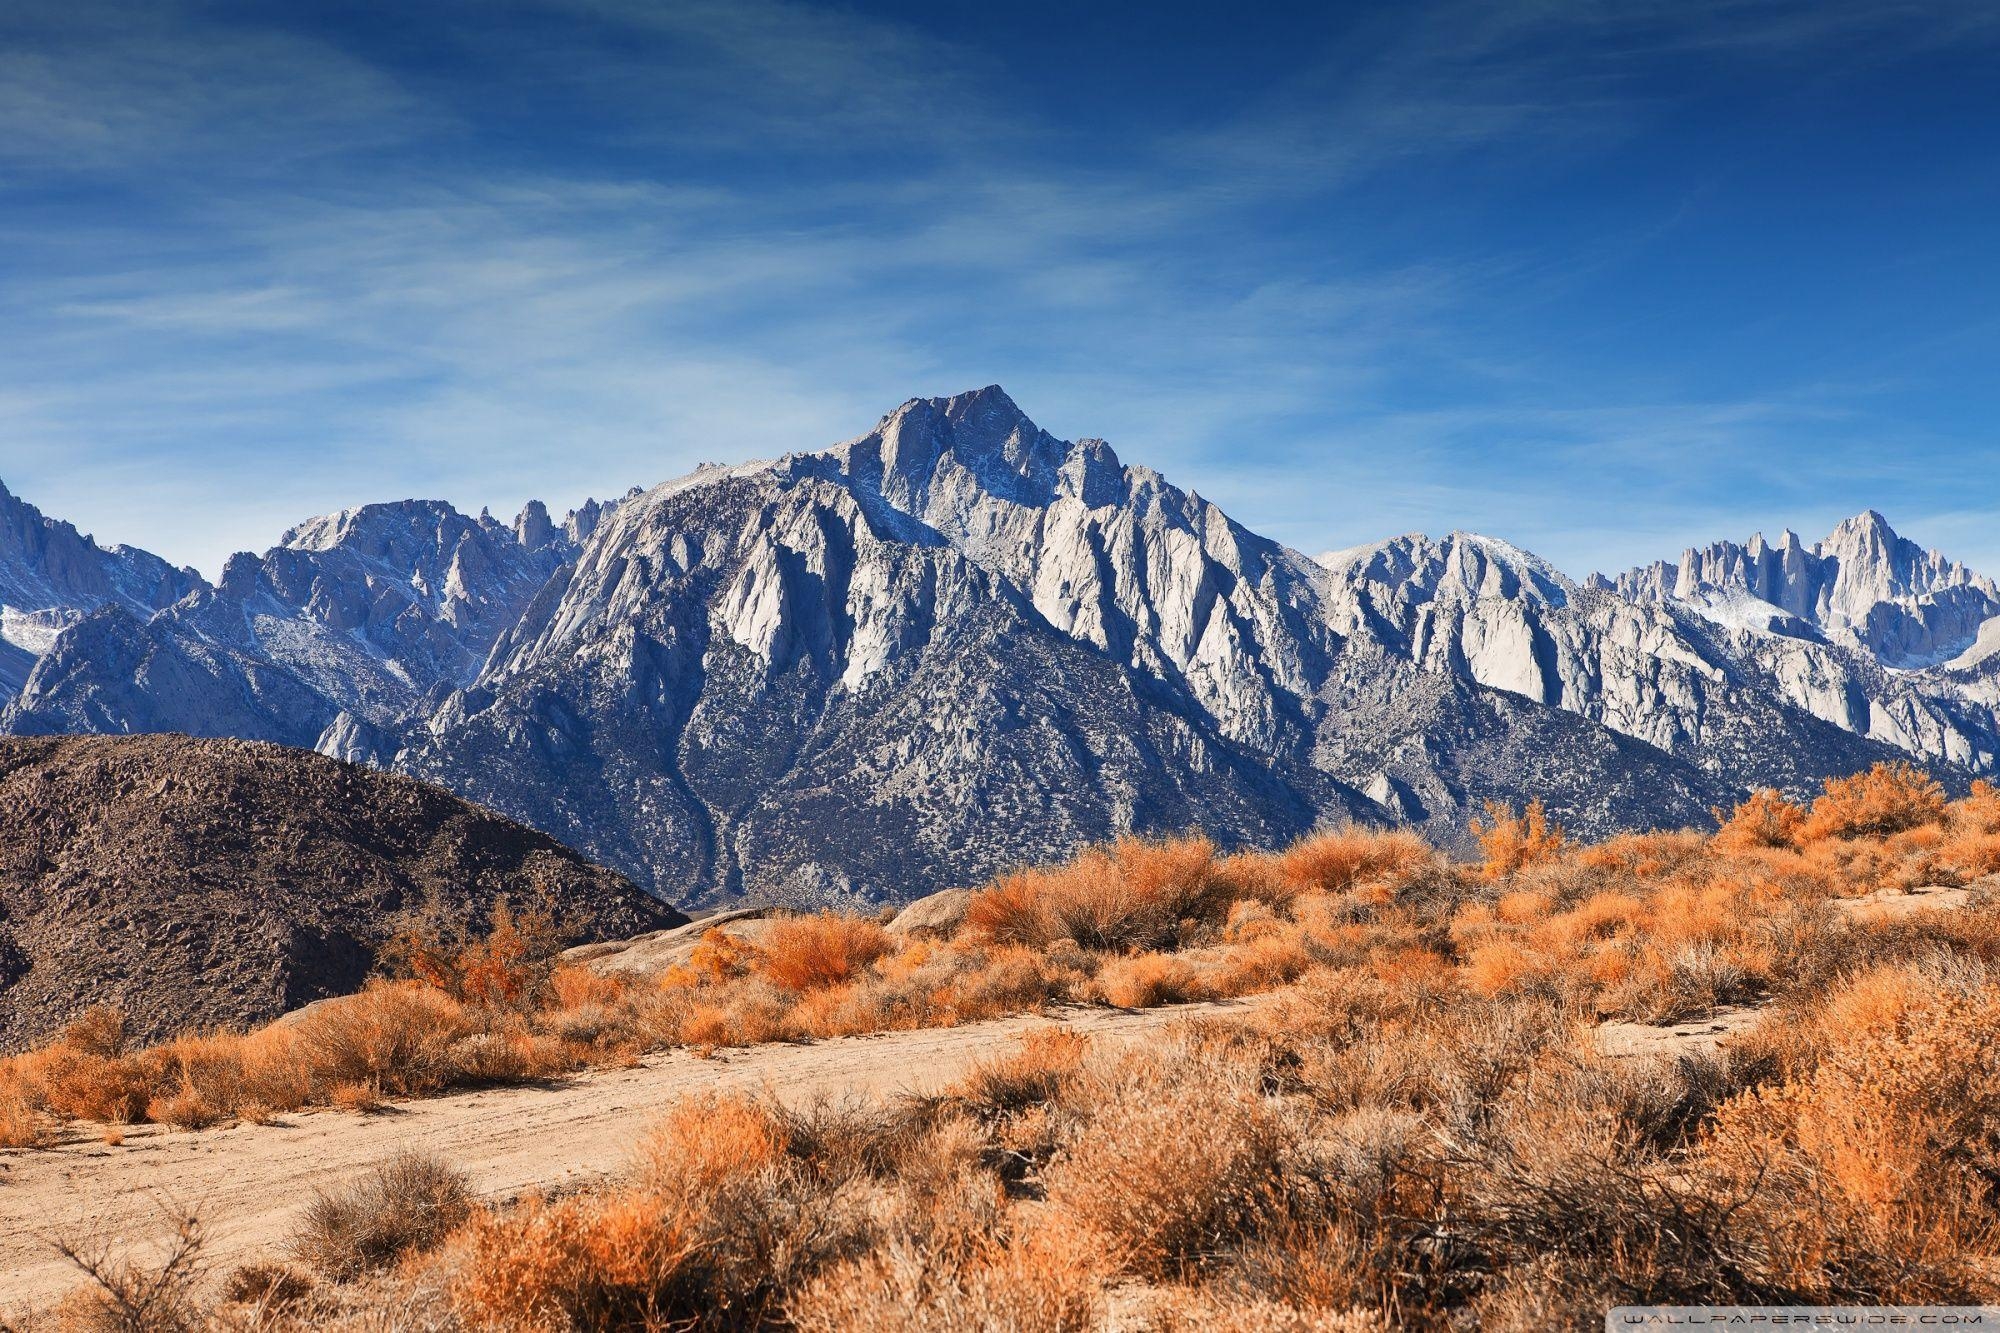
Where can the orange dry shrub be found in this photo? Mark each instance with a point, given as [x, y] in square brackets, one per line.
[21, 1125]
[1872, 1171]
[1501, 964]
[1336, 860]
[715, 1225]
[394, 1036]
[1147, 980]
[1176, 1161]
[1888, 798]
[704, 1141]
[1972, 833]
[717, 957]
[581, 1262]
[1764, 819]
[575, 987]
[1037, 1070]
[1137, 894]
[807, 953]
[508, 966]
[1263, 961]
[1508, 843]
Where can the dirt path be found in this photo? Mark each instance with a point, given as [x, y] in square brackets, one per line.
[248, 1181]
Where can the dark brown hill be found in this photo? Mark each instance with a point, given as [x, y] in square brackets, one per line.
[194, 883]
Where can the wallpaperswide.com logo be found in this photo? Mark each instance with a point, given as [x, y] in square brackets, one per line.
[1636, 1317]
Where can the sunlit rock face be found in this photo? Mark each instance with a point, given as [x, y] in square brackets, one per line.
[957, 643]
[52, 576]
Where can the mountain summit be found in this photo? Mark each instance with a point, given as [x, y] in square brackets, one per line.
[1863, 587]
[955, 643]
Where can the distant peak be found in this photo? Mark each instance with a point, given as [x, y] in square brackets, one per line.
[330, 530]
[989, 403]
[982, 431]
[532, 526]
[1868, 522]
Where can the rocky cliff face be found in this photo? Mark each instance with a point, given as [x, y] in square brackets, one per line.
[949, 646]
[51, 576]
[957, 642]
[1863, 588]
[349, 631]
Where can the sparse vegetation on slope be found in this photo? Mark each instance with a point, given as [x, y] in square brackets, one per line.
[198, 883]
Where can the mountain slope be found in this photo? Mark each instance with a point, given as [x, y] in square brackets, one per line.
[51, 576]
[955, 643]
[193, 883]
[787, 680]
[348, 632]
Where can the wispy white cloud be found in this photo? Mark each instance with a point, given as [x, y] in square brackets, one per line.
[330, 278]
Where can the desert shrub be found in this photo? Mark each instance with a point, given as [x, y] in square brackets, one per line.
[1764, 819]
[1144, 981]
[617, 1261]
[394, 1036]
[21, 1125]
[408, 1203]
[718, 956]
[1337, 860]
[100, 1030]
[806, 953]
[1262, 962]
[508, 964]
[580, 987]
[1510, 842]
[126, 1295]
[82, 1085]
[1888, 798]
[1880, 1151]
[1039, 1284]
[1036, 1071]
[1155, 1196]
[267, 1286]
[1137, 894]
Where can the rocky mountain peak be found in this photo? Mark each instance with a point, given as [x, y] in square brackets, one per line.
[51, 576]
[1864, 587]
[532, 526]
[969, 441]
[1461, 567]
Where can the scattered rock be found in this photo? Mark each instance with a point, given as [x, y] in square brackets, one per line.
[206, 883]
[935, 917]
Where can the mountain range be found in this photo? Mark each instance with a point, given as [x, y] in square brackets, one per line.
[957, 643]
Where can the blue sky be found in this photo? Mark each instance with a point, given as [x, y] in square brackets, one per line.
[1601, 278]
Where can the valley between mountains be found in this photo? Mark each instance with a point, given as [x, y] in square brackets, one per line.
[956, 643]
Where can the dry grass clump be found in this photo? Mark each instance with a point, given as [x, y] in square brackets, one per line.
[1176, 1161]
[1510, 842]
[1888, 798]
[1338, 860]
[1764, 820]
[1036, 1072]
[408, 1203]
[1882, 1150]
[805, 953]
[716, 1223]
[1136, 894]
